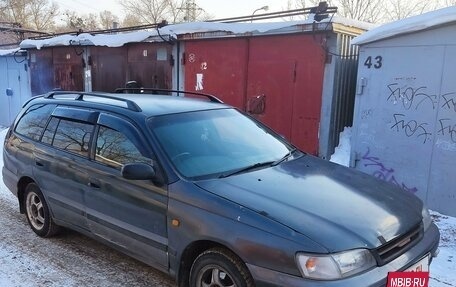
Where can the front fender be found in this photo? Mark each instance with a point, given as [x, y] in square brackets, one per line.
[255, 238]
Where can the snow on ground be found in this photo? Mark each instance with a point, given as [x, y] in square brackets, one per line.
[342, 152]
[75, 260]
[443, 268]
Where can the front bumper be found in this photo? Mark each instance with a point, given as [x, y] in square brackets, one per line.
[376, 277]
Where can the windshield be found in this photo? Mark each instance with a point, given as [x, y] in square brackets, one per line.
[215, 142]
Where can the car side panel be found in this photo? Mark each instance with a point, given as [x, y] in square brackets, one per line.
[62, 178]
[128, 213]
[10, 170]
[17, 158]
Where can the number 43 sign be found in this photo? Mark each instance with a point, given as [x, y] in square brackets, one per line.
[375, 62]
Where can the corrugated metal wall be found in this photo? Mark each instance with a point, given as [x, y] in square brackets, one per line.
[346, 67]
[150, 64]
[109, 66]
[41, 71]
[68, 68]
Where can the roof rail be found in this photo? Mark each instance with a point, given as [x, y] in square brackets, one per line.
[140, 90]
[131, 105]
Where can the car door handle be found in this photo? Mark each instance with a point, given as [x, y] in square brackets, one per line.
[37, 163]
[94, 185]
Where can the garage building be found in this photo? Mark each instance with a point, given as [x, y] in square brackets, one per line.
[404, 127]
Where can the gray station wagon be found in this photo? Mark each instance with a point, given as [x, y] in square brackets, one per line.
[212, 197]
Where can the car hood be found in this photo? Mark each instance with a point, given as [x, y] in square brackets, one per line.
[338, 207]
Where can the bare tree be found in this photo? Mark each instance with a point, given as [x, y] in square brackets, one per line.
[363, 10]
[373, 11]
[400, 9]
[42, 14]
[175, 10]
[155, 11]
[32, 14]
[298, 4]
[91, 22]
[446, 3]
[149, 11]
[131, 20]
[74, 21]
[107, 19]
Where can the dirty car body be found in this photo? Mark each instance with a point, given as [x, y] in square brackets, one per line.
[207, 194]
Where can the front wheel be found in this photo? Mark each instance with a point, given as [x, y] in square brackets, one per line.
[37, 212]
[218, 267]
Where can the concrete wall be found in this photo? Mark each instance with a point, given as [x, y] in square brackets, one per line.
[405, 115]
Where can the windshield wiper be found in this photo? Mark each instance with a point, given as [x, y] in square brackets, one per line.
[285, 157]
[247, 168]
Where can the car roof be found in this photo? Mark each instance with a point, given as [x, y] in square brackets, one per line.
[146, 104]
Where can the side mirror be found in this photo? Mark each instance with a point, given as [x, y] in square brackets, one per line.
[138, 171]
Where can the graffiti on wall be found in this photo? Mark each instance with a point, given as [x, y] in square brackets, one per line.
[419, 99]
[411, 127]
[447, 129]
[412, 97]
[381, 171]
[449, 101]
[447, 126]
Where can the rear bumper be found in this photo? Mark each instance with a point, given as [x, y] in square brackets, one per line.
[10, 180]
[373, 278]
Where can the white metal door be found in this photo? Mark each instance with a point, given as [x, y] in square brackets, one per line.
[397, 101]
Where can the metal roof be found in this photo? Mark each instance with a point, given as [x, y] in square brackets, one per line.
[426, 21]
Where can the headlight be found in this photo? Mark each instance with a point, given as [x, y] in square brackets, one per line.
[335, 266]
[427, 220]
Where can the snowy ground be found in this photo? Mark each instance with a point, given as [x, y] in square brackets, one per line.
[72, 259]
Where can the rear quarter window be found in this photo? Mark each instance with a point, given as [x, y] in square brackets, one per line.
[34, 120]
[70, 136]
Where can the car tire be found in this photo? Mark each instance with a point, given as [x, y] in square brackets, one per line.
[219, 267]
[37, 212]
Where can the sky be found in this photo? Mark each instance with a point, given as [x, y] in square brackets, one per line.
[217, 8]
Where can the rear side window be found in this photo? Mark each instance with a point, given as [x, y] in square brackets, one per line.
[68, 135]
[34, 121]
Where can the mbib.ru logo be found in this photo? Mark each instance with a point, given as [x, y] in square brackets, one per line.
[408, 279]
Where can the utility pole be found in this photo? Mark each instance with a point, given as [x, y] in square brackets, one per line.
[190, 10]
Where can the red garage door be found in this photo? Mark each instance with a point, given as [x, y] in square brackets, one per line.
[218, 67]
[288, 72]
[278, 79]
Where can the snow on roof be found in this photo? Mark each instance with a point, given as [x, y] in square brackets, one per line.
[120, 39]
[110, 40]
[8, 52]
[408, 25]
